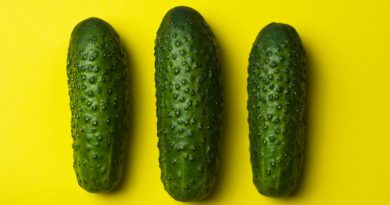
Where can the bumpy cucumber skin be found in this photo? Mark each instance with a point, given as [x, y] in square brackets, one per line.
[189, 104]
[97, 81]
[276, 106]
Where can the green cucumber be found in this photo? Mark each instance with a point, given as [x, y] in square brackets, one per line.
[189, 104]
[276, 107]
[97, 81]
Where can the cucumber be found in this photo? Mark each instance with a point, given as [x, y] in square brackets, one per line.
[97, 82]
[189, 104]
[276, 107]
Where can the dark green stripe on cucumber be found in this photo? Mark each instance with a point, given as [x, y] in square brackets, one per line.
[97, 81]
[189, 104]
[276, 107]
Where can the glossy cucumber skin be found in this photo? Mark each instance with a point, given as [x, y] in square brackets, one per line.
[189, 104]
[97, 82]
[276, 108]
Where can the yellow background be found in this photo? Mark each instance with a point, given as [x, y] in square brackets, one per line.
[348, 147]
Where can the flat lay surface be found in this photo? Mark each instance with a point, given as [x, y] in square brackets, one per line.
[347, 151]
